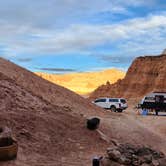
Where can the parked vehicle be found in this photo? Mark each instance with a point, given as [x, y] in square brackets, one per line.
[115, 104]
[154, 101]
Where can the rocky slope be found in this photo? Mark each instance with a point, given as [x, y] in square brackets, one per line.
[48, 133]
[52, 93]
[84, 83]
[146, 74]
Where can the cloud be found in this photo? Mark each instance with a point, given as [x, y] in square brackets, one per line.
[116, 59]
[82, 37]
[57, 69]
[24, 59]
[54, 29]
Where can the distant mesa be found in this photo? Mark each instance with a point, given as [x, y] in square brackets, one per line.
[84, 83]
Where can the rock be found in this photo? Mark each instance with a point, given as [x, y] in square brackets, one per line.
[144, 151]
[155, 163]
[5, 137]
[144, 164]
[147, 159]
[5, 132]
[105, 162]
[157, 155]
[162, 161]
[124, 160]
[136, 163]
[114, 154]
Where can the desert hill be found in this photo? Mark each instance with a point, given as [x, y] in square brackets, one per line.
[47, 134]
[146, 74]
[84, 83]
[48, 122]
[52, 93]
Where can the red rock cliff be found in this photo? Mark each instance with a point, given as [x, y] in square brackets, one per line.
[146, 74]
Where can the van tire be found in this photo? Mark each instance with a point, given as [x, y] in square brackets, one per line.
[113, 108]
[120, 110]
[156, 111]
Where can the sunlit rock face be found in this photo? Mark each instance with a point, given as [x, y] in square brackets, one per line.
[146, 74]
[84, 83]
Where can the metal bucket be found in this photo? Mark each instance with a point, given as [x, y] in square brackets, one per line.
[9, 152]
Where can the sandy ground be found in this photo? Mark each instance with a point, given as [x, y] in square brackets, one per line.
[131, 127]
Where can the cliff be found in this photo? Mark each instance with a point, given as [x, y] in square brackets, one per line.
[145, 74]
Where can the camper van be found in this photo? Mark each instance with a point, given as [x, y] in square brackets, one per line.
[155, 101]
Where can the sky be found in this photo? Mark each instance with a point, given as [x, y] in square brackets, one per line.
[63, 36]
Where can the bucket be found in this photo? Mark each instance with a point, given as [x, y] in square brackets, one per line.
[9, 152]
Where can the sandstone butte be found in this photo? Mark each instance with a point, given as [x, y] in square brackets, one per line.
[146, 74]
[84, 83]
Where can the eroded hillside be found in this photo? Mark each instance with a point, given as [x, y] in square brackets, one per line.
[146, 74]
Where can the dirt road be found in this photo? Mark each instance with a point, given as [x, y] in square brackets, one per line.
[131, 127]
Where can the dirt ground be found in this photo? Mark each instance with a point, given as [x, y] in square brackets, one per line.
[131, 127]
[49, 122]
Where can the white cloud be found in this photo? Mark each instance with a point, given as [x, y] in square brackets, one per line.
[29, 30]
[82, 37]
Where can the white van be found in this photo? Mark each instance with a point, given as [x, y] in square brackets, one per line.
[115, 104]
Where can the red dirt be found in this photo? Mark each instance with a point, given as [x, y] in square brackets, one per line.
[48, 122]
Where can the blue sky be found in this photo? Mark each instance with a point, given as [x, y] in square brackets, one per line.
[63, 36]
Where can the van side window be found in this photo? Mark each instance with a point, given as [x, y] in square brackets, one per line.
[113, 100]
[100, 100]
[149, 98]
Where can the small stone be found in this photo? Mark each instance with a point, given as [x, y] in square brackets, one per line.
[136, 163]
[155, 163]
[162, 161]
[147, 159]
[105, 162]
[144, 164]
[124, 160]
[114, 154]
[134, 157]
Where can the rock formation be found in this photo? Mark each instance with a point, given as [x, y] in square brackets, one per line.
[146, 74]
